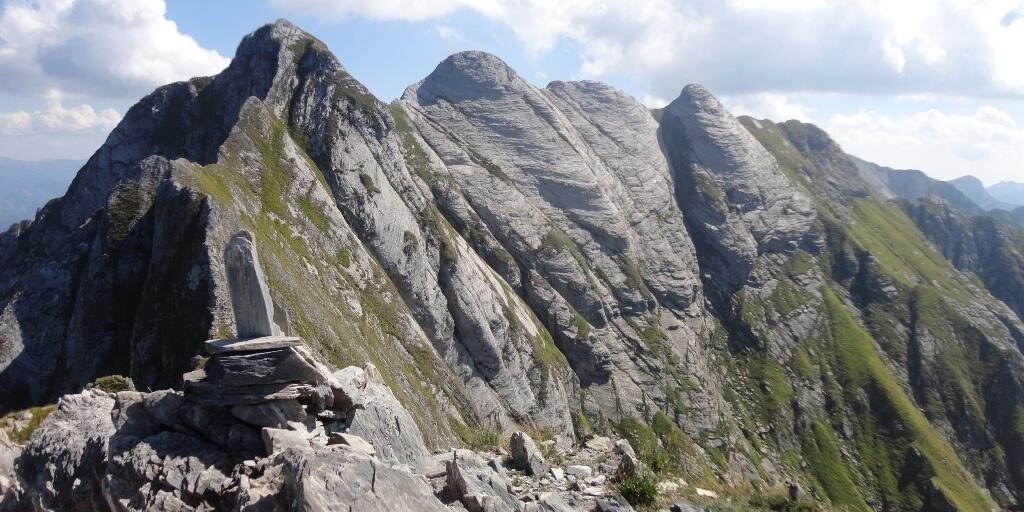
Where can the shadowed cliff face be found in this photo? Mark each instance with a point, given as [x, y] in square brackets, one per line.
[734, 296]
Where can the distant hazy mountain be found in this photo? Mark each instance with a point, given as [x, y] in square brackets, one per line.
[26, 186]
[913, 184]
[1008, 192]
[974, 189]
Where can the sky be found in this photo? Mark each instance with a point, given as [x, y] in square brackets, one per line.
[935, 85]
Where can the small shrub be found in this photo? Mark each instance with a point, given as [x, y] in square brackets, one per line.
[476, 439]
[112, 384]
[343, 257]
[368, 183]
[581, 424]
[639, 490]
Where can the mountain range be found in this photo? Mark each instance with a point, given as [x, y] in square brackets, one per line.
[747, 304]
[27, 185]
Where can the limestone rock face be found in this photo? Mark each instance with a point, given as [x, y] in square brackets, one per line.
[287, 146]
[731, 189]
[570, 183]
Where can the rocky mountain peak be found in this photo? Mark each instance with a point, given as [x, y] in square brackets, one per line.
[281, 31]
[469, 75]
[969, 181]
[699, 97]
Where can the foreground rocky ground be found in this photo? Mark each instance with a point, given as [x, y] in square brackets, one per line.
[287, 436]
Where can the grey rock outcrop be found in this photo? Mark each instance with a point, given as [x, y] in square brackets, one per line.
[167, 450]
[333, 478]
[377, 416]
[276, 413]
[10, 489]
[548, 502]
[57, 467]
[475, 484]
[255, 377]
[526, 455]
[629, 464]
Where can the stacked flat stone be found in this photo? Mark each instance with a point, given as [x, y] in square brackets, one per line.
[267, 377]
[254, 371]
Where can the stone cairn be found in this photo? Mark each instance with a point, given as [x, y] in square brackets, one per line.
[265, 377]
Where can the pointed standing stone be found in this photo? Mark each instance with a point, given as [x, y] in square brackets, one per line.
[250, 296]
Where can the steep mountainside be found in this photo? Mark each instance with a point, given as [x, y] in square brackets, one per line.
[732, 296]
[941, 339]
[991, 249]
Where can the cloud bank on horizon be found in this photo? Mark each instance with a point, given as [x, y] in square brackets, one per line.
[750, 46]
[953, 65]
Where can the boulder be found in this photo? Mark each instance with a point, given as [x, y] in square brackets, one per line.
[354, 442]
[335, 478]
[276, 413]
[579, 471]
[255, 377]
[548, 502]
[276, 366]
[474, 483]
[250, 296]
[278, 440]
[526, 456]
[613, 504]
[59, 465]
[10, 490]
[705, 493]
[685, 506]
[377, 416]
[795, 491]
[629, 463]
[599, 444]
[168, 469]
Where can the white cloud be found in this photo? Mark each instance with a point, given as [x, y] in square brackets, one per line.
[650, 101]
[407, 10]
[97, 48]
[988, 143]
[773, 106]
[448, 33]
[747, 46]
[56, 119]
